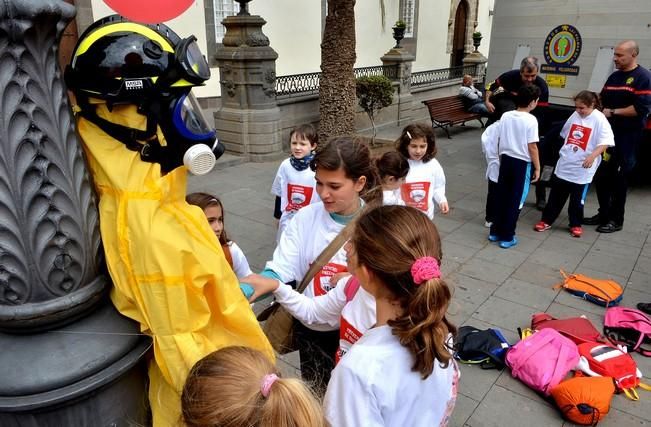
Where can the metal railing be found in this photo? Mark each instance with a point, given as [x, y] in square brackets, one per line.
[431, 77]
[308, 83]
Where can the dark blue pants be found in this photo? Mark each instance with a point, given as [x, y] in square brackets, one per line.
[491, 201]
[611, 179]
[512, 189]
[561, 190]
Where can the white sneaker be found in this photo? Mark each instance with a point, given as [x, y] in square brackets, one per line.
[488, 224]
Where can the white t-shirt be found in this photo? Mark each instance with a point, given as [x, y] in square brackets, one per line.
[296, 190]
[374, 386]
[517, 130]
[353, 318]
[489, 144]
[424, 186]
[582, 136]
[392, 197]
[240, 263]
[306, 235]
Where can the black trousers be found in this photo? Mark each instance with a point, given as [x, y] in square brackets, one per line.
[512, 189]
[612, 177]
[317, 350]
[561, 190]
[491, 201]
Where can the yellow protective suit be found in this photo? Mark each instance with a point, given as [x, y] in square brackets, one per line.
[168, 269]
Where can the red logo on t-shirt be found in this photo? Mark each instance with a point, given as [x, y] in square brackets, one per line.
[298, 196]
[348, 335]
[322, 279]
[579, 136]
[416, 194]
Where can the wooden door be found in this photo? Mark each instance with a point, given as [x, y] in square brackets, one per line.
[459, 40]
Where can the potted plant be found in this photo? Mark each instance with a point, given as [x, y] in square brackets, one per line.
[373, 94]
[476, 39]
[399, 32]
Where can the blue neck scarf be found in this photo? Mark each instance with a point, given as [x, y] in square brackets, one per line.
[301, 164]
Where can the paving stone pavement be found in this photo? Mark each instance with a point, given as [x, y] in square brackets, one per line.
[492, 287]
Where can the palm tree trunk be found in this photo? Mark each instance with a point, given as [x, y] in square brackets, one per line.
[337, 99]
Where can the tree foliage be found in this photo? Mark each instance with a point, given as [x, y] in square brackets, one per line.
[373, 94]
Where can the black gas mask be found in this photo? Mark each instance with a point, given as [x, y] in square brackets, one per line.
[123, 62]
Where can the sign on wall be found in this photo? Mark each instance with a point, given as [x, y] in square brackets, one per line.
[562, 49]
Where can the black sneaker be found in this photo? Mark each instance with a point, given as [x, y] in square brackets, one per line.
[645, 307]
[611, 227]
[592, 220]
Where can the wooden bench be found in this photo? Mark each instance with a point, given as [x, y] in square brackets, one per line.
[448, 111]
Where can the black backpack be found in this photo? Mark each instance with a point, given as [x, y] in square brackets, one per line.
[487, 348]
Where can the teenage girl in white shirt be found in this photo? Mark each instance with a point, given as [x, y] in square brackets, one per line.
[401, 371]
[343, 171]
[214, 210]
[425, 183]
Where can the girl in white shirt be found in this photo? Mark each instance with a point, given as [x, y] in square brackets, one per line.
[343, 172]
[401, 371]
[294, 185]
[424, 185]
[393, 168]
[214, 210]
[587, 135]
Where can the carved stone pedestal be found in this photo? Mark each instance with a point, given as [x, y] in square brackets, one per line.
[248, 122]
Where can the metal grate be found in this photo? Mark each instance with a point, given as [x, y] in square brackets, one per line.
[308, 84]
[430, 77]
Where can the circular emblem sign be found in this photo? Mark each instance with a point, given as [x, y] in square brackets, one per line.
[149, 11]
[563, 45]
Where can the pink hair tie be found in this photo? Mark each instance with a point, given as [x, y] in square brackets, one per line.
[267, 381]
[425, 268]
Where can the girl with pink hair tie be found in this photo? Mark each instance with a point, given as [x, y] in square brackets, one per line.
[401, 371]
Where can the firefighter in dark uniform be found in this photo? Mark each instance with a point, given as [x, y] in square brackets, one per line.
[626, 99]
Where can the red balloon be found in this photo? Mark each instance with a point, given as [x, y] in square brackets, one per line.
[149, 11]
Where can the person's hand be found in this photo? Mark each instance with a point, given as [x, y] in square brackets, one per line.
[444, 207]
[489, 106]
[261, 285]
[536, 176]
[587, 163]
[337, 277]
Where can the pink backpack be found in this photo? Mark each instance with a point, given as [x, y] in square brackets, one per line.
[543, 359]
[629, 327]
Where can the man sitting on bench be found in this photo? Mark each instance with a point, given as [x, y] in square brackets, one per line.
[473, 99]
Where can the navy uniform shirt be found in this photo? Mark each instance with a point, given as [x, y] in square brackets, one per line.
[624, 88]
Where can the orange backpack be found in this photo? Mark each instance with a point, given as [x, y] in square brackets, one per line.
[604, 292]
[584, 400]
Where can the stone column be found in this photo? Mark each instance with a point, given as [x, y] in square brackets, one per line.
[401, 59]
[479, 61]
[67, 356]
[248, 122]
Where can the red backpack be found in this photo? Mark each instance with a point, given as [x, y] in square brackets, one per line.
[607, 361]
[578, 329]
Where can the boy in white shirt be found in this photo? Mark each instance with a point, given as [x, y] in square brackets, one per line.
[517, 151]
[294, 185]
